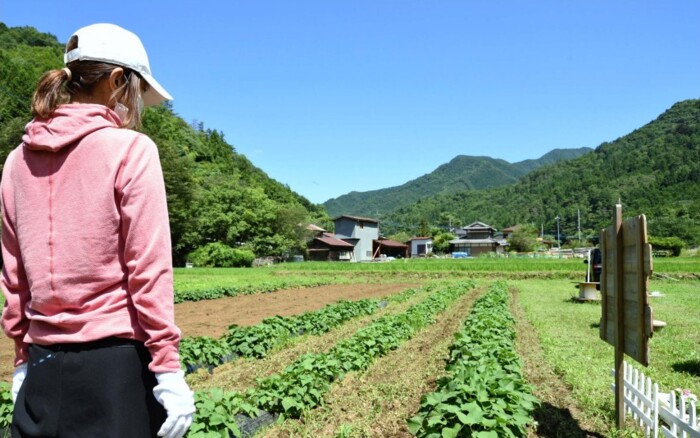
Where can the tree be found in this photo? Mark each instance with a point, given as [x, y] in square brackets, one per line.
[401, 236]
[524, 238]
[423, 228]
[441, 242]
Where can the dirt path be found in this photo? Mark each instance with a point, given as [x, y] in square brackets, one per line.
[558, 414]
[212, 317]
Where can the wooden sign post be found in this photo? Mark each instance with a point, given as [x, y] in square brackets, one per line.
[626, 321]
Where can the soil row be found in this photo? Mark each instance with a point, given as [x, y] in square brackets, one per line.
[378, 402]
[212, 317]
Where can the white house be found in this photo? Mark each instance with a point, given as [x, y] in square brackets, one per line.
[421, 246]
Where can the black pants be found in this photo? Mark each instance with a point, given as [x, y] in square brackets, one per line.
[97, 389]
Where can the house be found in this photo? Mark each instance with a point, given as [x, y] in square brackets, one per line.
[508, 231]
[360, 232]
[421, 246]
[389, 248]
[327, 247]
[478, 238]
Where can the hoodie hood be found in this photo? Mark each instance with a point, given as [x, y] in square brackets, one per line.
[68, 124]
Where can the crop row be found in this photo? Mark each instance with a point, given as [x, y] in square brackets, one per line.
[257, 340]
[302, 385]
[249, 289]
[254, 341]
[484, 393]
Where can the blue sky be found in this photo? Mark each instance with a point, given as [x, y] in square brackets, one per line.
[333, 96]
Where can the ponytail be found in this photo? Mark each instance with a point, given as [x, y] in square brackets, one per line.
[50, 93]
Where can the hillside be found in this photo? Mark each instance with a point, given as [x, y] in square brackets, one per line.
[551, 157]
[214, 193]
[655, 170]
[461, 173]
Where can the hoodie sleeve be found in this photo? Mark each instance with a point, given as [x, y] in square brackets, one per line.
[147, 254]
[14, 283]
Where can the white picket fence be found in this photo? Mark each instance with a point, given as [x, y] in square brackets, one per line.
[670, 414]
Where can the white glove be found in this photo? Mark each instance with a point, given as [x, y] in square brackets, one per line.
[18, 376]
[178, 400]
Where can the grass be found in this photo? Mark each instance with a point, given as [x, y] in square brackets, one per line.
[568, 335]
[482, 264]
[340, 272]
[558, 414]
[258, 278]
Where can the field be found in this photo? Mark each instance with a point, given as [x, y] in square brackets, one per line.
[353, 350]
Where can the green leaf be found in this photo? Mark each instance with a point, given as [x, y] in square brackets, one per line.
[415, 424]
[288, 403]
[486, 434]
[451, 432]
[233, 428]
[474, 417]
[521, 419]
[216, 419]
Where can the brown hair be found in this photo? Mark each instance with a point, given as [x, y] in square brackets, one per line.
[84, 75]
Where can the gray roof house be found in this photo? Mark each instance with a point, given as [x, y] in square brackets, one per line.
[478, 238]
[361, 232]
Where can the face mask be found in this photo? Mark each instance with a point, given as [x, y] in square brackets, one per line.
[122, 111]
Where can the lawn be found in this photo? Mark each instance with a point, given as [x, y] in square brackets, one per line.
[568, 335]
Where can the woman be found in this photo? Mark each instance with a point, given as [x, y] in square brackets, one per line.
[87, 273]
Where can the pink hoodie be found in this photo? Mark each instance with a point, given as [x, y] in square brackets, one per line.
[85, 237]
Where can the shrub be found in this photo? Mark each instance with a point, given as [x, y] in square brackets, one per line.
[662, 244]
[219, 255]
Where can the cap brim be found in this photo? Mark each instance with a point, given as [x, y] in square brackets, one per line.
[156, 93]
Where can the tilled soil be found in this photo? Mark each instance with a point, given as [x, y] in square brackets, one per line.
[212, 317]
[377, 402]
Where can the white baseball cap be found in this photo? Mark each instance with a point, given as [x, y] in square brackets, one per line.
[112, 44]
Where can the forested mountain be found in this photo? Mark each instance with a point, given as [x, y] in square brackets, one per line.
[655, 170]
[214, 193]
[461, 173]
[551, 157]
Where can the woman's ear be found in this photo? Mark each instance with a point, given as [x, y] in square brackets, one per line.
[116, 78]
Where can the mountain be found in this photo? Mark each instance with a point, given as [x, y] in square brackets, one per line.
[654, 170]
[550, 157]
[462, 173]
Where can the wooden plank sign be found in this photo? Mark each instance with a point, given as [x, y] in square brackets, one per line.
[624, 285]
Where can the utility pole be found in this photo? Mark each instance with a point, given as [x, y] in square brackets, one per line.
[558, 239]
[579, 227]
